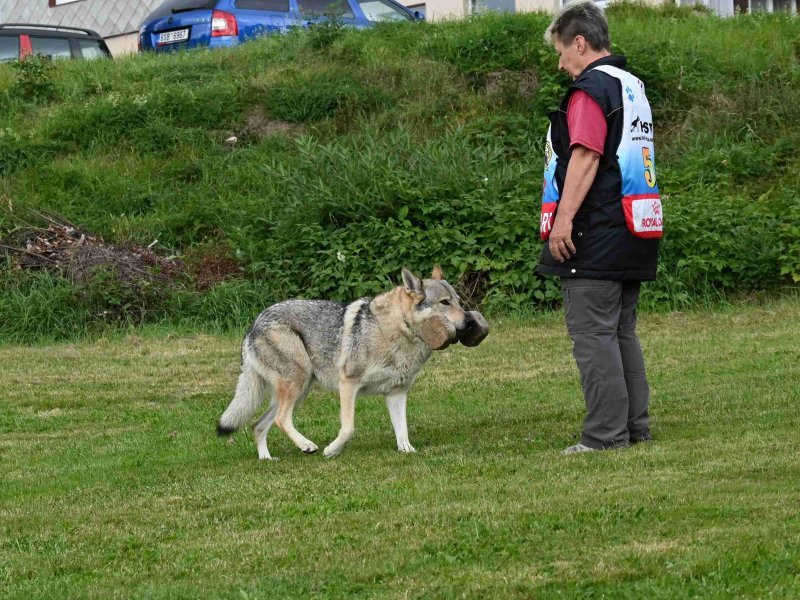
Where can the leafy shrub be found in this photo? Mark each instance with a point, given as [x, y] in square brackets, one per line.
[324, 32]
[34, 78]
[418, 204]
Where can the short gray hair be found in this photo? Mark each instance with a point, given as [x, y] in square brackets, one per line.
[584, 18]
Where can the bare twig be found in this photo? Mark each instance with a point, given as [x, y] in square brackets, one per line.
[26, 251]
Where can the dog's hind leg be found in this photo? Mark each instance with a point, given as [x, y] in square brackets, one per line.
[261, 429]
[396, 403]
[289, 393]
[284, 362]
[347, 398]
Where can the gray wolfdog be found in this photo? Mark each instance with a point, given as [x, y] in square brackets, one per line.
[373, 346]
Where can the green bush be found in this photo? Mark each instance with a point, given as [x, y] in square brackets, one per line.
[34, 78]
[325, 31]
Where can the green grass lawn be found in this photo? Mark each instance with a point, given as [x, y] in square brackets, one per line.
[114, 484]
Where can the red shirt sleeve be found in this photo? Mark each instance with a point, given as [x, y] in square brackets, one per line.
[587, 123]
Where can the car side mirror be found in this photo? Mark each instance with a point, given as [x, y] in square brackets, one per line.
[419, 16]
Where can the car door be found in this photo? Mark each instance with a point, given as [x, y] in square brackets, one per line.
[260, 17]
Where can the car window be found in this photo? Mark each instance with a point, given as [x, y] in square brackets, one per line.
[378, 10]
[91, 49]
[9, 48]
[272, 5]
[178, 6]
[340, 8]
[51, 47]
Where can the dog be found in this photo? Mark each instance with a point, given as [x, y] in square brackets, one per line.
[373, 346]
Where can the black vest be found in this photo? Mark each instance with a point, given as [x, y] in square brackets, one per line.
[605, 249]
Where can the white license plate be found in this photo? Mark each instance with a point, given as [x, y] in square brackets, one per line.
[171, 37]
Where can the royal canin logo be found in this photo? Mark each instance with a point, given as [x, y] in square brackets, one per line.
[649, 222]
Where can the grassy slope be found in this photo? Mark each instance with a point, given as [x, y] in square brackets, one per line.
[113, 484]
[421, 141]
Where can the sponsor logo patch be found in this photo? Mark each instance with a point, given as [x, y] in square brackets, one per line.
[548, 216]
[641, 126]
[647, 215]
[644, 216]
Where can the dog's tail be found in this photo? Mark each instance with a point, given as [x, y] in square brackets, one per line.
[248, 397]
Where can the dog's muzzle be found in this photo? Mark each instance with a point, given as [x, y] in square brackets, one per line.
[475, 330]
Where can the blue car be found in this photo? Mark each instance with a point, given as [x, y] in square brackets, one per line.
[213, 23]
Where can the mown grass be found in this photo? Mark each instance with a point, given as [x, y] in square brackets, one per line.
[114, 485]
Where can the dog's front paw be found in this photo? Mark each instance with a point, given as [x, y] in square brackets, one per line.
[309, 448]
[405, 446]
[331, 450]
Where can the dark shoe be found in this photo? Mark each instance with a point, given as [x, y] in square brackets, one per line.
[642, 437]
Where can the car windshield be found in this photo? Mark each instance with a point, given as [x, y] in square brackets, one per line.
[380, 10]
[178, 6]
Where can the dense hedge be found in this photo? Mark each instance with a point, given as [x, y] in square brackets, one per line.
[362, 151]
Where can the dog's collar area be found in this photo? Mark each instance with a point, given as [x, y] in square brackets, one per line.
[411, 333]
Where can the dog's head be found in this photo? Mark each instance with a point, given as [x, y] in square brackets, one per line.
[435, 314]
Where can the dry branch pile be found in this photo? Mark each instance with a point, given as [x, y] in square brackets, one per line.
[49, 242]
[79, 256]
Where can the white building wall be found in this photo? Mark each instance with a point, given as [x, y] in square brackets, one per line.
[437, 10]
[121, 45]
[534, 5]
[723, 8]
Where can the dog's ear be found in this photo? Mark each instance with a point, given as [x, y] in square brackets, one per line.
[437, 272]
[413, 284]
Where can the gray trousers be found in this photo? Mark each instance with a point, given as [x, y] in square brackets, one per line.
[601, 320]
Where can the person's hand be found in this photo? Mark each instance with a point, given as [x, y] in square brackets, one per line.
[560, 241]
